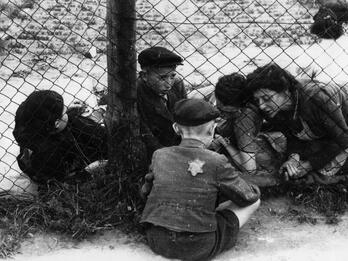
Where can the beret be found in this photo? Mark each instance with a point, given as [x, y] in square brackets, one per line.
[158, 56]
[193, 112]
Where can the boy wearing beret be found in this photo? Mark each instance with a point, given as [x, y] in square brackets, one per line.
[196, 201]
[158, 88]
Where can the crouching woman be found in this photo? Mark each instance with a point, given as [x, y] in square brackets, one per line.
[312, 115]
[56, 143]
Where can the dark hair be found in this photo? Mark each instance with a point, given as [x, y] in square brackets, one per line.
[230, 90]
[328, 21]
[271, 76]
[36, 116]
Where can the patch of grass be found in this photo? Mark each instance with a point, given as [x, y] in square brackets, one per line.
[330, 201]
[301, 216]
[74, 210]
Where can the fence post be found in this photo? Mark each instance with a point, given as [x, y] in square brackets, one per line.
[126, 152]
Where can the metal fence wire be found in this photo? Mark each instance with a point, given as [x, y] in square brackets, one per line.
[61, 45]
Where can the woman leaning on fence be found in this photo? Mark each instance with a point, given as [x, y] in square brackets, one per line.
[56, 143]
[313, 116]
[252, 151]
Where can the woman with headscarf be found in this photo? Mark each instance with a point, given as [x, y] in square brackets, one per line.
[56, 143]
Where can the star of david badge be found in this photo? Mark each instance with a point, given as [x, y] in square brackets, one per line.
[195, 167]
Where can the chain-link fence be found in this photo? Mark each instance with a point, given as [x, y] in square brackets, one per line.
[61, 45]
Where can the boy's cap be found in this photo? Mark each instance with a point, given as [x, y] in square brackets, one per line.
[158, 57]
[194, 112]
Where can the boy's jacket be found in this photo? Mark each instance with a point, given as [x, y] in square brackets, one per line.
[188, 182]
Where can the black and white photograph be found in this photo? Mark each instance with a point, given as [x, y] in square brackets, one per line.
[174, 130]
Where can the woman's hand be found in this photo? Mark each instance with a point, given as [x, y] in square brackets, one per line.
[218, 143]
[218, 139]
[79, 107]
[294, 168]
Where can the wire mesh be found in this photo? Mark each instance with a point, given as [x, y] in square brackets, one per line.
[61, 45]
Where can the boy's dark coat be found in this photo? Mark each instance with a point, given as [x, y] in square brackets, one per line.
[156, 117]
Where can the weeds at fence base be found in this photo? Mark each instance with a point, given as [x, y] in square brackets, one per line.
[74, 210]
[329, 201]
[82, 210]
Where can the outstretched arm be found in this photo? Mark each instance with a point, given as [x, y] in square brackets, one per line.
[335, 165]
[245, 161]
[233, 187]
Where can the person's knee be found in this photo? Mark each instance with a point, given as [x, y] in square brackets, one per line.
[253, 207]
[244, 214]
[256, 204]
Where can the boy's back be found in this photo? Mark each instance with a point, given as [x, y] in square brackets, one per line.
[185, 187]
[187, 181]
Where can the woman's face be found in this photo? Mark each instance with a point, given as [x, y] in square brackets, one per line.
[272, 102]
[61, 123]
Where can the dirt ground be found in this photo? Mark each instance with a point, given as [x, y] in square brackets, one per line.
[272, 234]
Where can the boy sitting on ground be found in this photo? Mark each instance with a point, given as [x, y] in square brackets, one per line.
[186, 184]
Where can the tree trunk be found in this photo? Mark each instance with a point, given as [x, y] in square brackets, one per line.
[126, 151]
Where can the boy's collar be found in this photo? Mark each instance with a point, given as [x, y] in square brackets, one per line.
[189, 142]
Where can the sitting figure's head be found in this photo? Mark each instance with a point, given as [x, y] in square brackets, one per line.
[158, 68]
[329, 19]
[195, 118]
[42, 113]
[271, 87]
[230, 93]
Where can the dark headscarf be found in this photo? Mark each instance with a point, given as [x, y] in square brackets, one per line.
[35, 117]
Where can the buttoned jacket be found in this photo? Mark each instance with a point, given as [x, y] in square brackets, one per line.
[188, 181]
[156, 116]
